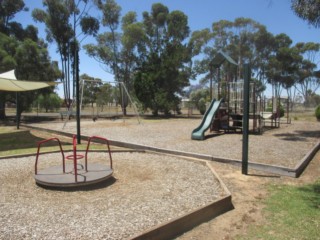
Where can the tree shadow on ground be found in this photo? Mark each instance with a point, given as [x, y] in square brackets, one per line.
[23, 140]
[313, 196]
[263, 175]
[299, 135]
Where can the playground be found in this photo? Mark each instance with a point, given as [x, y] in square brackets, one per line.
[284, 146]
[150, 187]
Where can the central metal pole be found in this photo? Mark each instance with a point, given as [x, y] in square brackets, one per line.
[245, 122]
[77, 97]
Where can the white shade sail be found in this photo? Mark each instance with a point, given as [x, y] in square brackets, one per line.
[8, 82]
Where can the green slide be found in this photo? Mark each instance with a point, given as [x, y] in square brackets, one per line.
[198, 133]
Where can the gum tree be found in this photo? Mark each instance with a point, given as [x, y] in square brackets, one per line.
[307, 10]
[308, 81]
[63, 19]
[117, 48]
[22, 50]
[164, 70]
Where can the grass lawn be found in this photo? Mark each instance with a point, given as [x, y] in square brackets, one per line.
[23, 141]
[292, 212]
[304, 115]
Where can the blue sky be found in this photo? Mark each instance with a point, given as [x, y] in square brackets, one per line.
[276, 15]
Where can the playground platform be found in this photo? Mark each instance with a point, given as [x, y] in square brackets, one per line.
[54, 176]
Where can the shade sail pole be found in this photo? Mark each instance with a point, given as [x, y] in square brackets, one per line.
[17, 110]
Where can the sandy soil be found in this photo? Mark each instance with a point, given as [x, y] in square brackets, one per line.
[284, 146]
[248, 194]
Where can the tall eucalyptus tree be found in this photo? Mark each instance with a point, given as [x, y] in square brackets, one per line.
[165, 65]
[236, 38]
[308, 79]
[62, 19]
[307, 10]
[117, 49]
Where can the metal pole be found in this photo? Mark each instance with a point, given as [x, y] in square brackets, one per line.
[122, 97]
[17, 111]
[76, 77]
[245, 123]
[77, 95]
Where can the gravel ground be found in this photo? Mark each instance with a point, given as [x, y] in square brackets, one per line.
[284, 146]
[147, 190]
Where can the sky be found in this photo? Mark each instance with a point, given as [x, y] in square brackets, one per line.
[276, 15]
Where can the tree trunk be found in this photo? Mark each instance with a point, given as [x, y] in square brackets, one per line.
[124, 110]
[2, 106]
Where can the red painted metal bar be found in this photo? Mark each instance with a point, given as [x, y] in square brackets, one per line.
[74, 157]
[38, 152]
[88, 146]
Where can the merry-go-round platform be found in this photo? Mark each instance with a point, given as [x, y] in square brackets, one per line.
[75, 174]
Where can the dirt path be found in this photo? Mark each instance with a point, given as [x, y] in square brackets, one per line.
[248, 193]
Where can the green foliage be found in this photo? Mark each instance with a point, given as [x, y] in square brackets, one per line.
[107, 95]
[280, 109]
[200, 97]
[292, 213]
[48, 102]
[90, 25]
[8, 9]
[63, 19]
[312, 100]
[317, 112]
[163, 71]
[259, 87]
[31, 61]
[156, 86]
[202, 106]
[307, 10]
[8, 46]
[91, 89]
[118, 51]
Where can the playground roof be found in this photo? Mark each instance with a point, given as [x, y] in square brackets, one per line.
[221, 57]
[9, 82]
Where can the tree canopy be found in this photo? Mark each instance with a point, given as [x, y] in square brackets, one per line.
[307, 10]
[22, 50]
[154, 55]
[62, 18]
[164, 68]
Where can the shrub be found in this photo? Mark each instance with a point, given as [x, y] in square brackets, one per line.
[202, 106]
[200, 97]
[281, 109]
[317, 112]
[49, 102]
